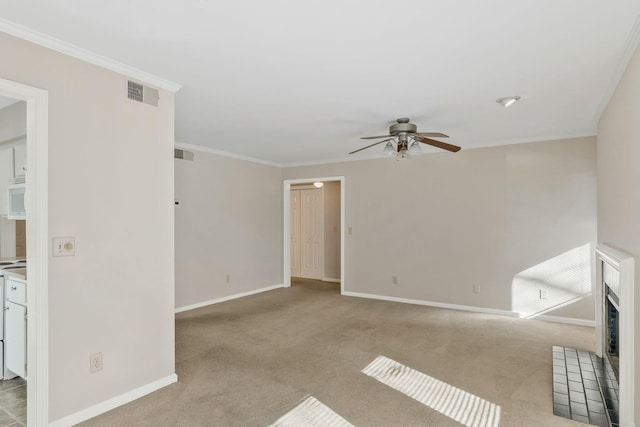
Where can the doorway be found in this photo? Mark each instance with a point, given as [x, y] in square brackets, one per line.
[313, 261]
[37, 248]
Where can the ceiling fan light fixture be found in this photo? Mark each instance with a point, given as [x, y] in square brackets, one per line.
[389, 149]
[508, 101]
[415, 148]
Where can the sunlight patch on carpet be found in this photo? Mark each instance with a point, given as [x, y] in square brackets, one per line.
[457, 404]
[313, 413]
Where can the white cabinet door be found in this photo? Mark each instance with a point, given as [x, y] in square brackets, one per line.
[6, 173]
[16, 338]
[20, 159]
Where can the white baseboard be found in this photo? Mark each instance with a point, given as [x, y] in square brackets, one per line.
[329, 279]
[433, 304]
[555, 319]
[227, 298]
[567, 320]
[107, 405]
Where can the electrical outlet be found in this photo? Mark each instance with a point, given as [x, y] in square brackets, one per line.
[228, 278]
[95, 362]
[476, 289]
[544, 294]
[395, 280]
[64, 246]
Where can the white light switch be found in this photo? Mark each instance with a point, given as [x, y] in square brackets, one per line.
[64, 246]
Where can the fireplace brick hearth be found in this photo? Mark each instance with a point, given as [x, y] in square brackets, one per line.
[585, 388]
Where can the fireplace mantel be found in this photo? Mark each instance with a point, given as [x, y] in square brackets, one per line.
[624, 264]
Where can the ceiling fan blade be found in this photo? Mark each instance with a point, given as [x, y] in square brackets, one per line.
[369, 146]
[443, 145]
[433, 134]
[375, 137]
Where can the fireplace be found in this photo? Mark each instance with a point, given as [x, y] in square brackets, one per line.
[615, 329]
[611, 329]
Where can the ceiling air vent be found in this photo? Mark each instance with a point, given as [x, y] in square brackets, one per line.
[182, 154]
[140, 93]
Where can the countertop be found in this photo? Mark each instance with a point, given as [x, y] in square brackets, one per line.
[16, 273]
[12, 260]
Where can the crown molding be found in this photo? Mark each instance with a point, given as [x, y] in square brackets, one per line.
[85, 55]
[209, 150]
[494, 144]
[380, 155]
[363, 157]
[630, 48]
[590, 133]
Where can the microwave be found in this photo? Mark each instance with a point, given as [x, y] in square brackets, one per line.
[15, 205]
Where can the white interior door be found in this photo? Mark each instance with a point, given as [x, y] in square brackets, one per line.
[16, 339]
[311, 233]
[295, 233]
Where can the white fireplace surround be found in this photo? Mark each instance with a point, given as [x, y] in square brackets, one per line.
[623, 264]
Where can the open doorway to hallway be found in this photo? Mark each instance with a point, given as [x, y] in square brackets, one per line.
[314, 230]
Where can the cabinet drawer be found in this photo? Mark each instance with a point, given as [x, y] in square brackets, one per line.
[16, 292]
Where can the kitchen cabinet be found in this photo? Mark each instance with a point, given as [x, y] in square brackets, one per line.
[15, 325]
[13, 163]
[19, 160]
[16, 338]
[6, 173]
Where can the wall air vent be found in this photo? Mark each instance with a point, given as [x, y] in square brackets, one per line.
[141, 93]
[182, 154]
[135, 91]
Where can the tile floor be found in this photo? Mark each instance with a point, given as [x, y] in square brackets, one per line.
[584, 387]
[13, 403]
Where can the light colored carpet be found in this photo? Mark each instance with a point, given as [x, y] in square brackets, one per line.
[248, 362]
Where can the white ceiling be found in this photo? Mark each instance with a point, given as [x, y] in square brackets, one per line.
[292, 82]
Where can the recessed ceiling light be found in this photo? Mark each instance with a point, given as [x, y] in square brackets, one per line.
[508, 100]
[318, 184]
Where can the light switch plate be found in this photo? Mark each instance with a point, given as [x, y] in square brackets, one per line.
[64, 246]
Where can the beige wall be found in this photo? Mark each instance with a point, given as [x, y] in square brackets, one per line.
[619, 180]
[110, 186]
[445, 222]
[229, 223]
[331, 200]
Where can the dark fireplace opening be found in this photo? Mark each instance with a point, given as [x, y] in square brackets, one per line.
[611, 334]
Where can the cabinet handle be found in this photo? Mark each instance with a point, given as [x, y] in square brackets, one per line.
[13, 288]
[6, 308]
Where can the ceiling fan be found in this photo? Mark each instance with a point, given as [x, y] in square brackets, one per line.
[404, 140]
